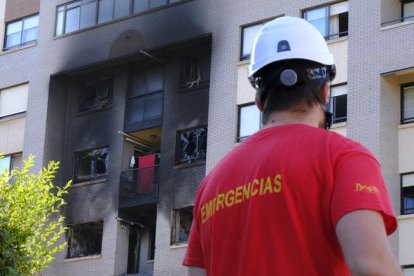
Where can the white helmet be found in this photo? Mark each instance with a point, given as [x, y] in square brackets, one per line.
[288, 38]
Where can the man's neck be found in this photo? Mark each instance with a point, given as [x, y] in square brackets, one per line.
[313, 117]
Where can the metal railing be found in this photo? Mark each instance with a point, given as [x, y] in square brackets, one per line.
[139, 186]
[399, 20]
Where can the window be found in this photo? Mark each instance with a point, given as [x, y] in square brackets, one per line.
[407, 9]
[96, 95]
[338, 103]
[331, 21]
[194, 72]
[181, 225]
[407, 103]
[249, 121]
[84, 239]
[191, 145]
[78, 15]
[248, 35]
[10, 162]
[13, 100]
[407, 193]
[151, 243]
[21, 32]
[91, 164]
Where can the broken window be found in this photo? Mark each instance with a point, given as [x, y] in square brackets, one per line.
[182, 220]
[190, 73]
[96, 95]
[91, 164]
[84, 239]
[191, 145]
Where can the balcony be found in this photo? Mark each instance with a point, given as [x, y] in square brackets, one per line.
[139, 187]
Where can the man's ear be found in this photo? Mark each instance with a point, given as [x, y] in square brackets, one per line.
[325, 92]
[258, 104]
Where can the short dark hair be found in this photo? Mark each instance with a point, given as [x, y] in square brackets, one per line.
[275, 96]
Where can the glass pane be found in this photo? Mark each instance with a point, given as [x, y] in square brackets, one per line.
[29, 35]
[140, 5]
[157, 3]
[153, 106]
[155, 79]
[13, 39]
[408, 102]
[249, 34]
[408, 200]
[72, 20]
[340, 108]
[186, 218]
[59, 23]
[409, 11]
[5, 164]
[15, 27]
[134, 111]
[31, 22]
[138, 86]
[318, 18]
[105, 10]
[88, 15]
[249, 120]
[121, 8]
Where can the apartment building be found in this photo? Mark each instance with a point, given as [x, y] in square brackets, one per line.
[138, 100]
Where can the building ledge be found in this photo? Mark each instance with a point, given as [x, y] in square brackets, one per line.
[93, 257]
[403, 126]
[177, 246]
[396, 25]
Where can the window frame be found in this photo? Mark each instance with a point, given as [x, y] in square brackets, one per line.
[176, 223]
[77, 155]
[332, 107]
[327, 22]
[191, 161]
[22, 19]
[69, 238]
[405, 211]
[243, 27]
[93, 85]
[402, 119]
[239, 109]
[97, 23]
[403, 18]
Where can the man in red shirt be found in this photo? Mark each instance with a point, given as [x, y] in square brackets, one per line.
[293, 199]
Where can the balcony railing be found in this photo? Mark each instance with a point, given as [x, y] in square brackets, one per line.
[395, 21]
[139, 186]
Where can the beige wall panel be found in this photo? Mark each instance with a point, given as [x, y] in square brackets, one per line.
[340, 129]
[406, 148]
[12, 135]
[339, 49]
[390, 10]
[245, 92]
[20, 8]
[406, 242]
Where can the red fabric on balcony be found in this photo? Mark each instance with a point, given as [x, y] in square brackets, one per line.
[146, 173]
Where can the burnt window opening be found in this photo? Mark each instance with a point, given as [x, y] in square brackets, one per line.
[91, 164]
[191, 145]
[190, 73]
[151, 243]
[182, 220]
[96, 95]
[84, 239]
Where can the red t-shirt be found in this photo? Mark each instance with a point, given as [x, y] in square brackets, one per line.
[271, 205]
